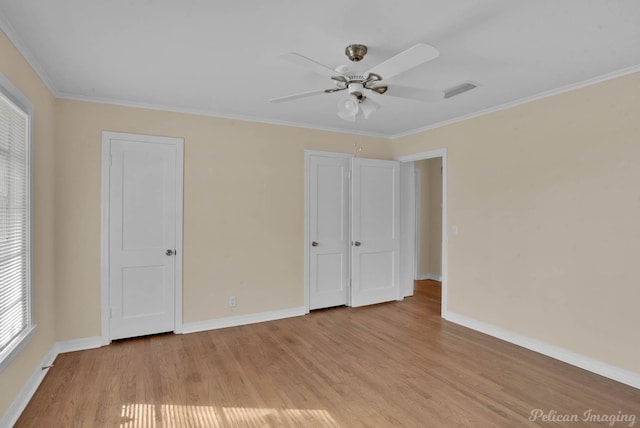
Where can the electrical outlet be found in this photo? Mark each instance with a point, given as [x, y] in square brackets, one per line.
[232, 301]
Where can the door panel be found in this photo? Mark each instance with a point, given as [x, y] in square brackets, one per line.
[376, 271]
[141, 296]
[376, 189]
[329, 229]
[143, 191]
[375, 231]
[142, 226]
[330, 272]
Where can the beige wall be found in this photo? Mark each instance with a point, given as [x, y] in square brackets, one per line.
[243, 209]
[430, 262]
[546, 196]
[16, 69]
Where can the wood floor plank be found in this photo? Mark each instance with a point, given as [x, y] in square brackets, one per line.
[393, 364]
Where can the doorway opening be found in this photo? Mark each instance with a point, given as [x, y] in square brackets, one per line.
[424, 219]
[428, 177]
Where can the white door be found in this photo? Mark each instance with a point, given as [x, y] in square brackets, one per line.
[375, 231]
[143, 228]
[328, 193]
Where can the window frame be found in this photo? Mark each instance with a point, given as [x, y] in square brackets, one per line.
[9, 91]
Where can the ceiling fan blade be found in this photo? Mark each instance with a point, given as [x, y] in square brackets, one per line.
[406, 60]
[311, 65]
[419, 94]
[296, 96]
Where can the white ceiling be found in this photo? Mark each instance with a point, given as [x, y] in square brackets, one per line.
[222, 57]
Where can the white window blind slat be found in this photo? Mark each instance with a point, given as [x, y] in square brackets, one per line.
[14, 223]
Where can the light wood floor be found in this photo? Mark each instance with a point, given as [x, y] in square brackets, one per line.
[393, 364]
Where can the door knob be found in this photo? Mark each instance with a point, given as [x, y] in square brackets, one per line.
[169, 252]
[314, 244]
[357, 243]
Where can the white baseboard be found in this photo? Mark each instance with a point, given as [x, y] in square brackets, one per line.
[432, 276]
[194, 327]
[15, 409]
[569, 357]
[79, 344]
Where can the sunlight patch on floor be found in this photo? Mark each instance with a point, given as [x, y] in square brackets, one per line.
[177, 416]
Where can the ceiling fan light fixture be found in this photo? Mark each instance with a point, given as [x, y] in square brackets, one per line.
[348, 109]
[368, 107]
[352, 107]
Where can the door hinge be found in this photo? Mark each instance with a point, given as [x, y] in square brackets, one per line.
[110, 313]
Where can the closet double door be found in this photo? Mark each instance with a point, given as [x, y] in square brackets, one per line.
[353, 230]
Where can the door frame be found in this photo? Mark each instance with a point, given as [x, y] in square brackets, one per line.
[417, 176]
[307, 242]
[107, 136]
[439, 153]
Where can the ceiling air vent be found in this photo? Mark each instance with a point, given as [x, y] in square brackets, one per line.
[459, 89]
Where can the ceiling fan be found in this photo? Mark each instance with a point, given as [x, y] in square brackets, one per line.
[356, 81]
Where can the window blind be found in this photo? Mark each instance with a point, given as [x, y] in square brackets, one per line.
[14, 223]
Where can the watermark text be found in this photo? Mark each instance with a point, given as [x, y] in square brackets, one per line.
[589, 415]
